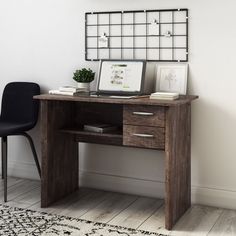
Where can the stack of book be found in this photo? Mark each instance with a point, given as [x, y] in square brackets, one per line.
[100, 128]
[66, 90]
[164, 95]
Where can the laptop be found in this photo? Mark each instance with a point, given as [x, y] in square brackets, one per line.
[121, 78]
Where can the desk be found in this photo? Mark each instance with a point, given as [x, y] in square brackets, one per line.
[144, 123]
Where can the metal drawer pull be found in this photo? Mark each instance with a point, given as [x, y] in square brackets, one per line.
[144, 135]
[143, 113]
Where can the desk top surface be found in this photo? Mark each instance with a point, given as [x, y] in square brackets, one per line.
[135, 101]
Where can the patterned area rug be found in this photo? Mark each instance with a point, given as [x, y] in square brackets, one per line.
[23, 222]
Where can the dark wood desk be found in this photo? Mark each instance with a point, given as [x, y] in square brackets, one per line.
[144, 123]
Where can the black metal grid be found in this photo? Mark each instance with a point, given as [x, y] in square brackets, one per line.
[94, 53]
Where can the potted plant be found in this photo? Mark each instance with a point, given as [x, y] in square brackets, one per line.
[84, 77]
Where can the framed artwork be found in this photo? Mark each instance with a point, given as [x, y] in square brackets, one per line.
[172, 78]
[124, 77]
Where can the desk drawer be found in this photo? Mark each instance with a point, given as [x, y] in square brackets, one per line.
[144, 115]
[143, 136]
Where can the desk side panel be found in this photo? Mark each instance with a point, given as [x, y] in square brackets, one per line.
[178, 163]
[59, 152]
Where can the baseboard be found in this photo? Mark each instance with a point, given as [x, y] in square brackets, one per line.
[200, 195]
[122, 184]
[142, 187]
[214, 197]
[26, 170]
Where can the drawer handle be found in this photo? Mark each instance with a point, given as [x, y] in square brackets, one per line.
[144, 135]
[143, 113]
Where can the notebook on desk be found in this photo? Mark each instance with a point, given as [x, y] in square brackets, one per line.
[120, 78]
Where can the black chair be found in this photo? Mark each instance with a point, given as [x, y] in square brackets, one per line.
[19, 114]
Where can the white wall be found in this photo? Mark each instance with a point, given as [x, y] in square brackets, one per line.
[43, 41]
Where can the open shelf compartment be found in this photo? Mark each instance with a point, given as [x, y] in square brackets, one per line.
[111, 137]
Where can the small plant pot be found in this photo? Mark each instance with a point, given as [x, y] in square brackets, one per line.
[85, 87]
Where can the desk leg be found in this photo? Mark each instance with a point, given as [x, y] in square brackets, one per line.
[59, 152]
[178, 163]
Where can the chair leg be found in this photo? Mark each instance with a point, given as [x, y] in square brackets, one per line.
[4, 165]
[2, 157]
[34, 152]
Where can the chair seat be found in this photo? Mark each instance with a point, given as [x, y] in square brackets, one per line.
[7, 128]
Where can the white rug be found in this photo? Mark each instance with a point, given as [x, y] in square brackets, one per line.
[23, 222]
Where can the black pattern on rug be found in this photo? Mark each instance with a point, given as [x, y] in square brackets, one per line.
[23, 222]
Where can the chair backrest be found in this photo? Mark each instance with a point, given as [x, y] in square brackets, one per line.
[18, 104]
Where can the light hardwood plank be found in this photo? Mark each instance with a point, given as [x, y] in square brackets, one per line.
[225, 225]
[26, 200]
[10, 182]
[109, 208]
[70, 200]
[74, 205]
[19, 189]
[86, 203]
[62, 204]
[18, 205]
[137, 212]
[30, 197]
[197, 221]
[156, 222]
[37, 207]
[124, 210]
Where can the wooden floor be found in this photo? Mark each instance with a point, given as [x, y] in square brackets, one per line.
[123, 210]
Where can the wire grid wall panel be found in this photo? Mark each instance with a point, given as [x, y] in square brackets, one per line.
[152, 35]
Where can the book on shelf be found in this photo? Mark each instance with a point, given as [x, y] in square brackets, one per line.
[164, 95]
[100, 128]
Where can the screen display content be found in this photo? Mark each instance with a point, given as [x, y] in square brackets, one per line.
[121, 76]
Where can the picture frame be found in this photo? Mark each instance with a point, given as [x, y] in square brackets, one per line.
[121, 77]
[172, 78]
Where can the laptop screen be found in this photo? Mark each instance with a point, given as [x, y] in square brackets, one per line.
[121, 77]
